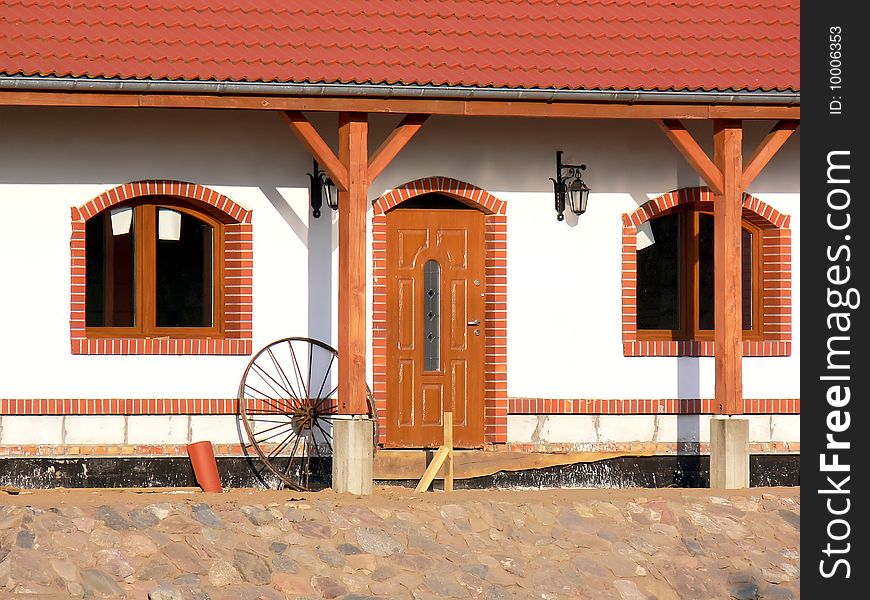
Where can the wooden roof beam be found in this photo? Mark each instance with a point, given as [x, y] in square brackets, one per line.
[394, 143]
[766, 150]
[482, 108]
[318, 148]
[689, 148]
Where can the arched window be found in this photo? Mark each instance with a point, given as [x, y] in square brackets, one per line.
[675, 273]
[154, 268]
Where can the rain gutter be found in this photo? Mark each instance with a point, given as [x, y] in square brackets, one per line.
[353, 90]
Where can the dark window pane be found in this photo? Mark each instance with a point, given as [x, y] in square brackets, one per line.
[184, 256]
[706, 297]
[746, 275]
[431, 316]
[658, 276]
[705, 272]
[110, 268]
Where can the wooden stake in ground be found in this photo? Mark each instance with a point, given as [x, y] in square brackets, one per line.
[444, 453]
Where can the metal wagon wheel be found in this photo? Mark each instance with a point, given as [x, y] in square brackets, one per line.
[287, 400]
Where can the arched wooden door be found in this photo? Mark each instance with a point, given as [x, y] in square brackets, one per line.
[435, 326]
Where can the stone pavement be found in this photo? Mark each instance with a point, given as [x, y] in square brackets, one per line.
[493, 545]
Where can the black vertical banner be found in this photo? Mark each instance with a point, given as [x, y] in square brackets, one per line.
[835, 300]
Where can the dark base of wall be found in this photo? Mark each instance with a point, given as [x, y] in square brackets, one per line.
[644, 471]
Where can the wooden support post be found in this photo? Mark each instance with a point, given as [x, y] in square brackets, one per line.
[318, 148]
[432, 469]
[727, 179]
[352, 206]
[394, 143]
[448, 443]
[727, 215]
[351, 171]
[442, 455]
[693, 153]
[766, 150]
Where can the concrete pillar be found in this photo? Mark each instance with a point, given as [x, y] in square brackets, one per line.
[729, 453]
[352, 455]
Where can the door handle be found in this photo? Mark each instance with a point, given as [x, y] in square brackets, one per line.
[474, 323]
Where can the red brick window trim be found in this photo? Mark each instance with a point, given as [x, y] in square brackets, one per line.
[775, 263]
[118, 406]
[495, 248]
[237, 274]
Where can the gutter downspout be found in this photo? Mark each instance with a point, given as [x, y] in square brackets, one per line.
[84, 84]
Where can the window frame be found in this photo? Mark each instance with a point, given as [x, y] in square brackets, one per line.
[689, 269]
[145, 271]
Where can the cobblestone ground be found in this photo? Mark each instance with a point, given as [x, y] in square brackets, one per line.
[596, 544]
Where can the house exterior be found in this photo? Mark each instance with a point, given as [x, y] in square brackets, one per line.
[598, 332]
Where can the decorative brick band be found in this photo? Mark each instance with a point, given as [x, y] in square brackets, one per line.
[775, 278]
[649, 448]
[642, 406]
[237, 275]
[119, 406]
[515, 406]
[495, 249]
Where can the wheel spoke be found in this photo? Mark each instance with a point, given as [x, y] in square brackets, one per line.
[259, 411]
[325, 432]
[280, 369]
[292, 455]
[273, 435]
[280, 410]
[327, 437]
[310, 366]
[263, 375]
[307, 471]
[326, 377]
[277, 450]
[325, 398]
[299, 378]
[248, 386]
[273, 427]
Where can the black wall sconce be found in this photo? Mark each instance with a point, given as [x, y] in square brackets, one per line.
[321, 188]
[569, 186]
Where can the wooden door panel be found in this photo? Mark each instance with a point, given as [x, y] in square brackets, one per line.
[418, 392]
[411, 243]
[458, 321]
[455, 243]
[406, 321]
[406, 400]
[459, 389]
[433, 404]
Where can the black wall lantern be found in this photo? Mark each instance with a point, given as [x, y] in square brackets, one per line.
[321, 188]
[568, 186]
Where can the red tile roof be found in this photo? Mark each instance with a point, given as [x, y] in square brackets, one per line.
[751, 45]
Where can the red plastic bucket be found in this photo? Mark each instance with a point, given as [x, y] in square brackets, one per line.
[204, 466]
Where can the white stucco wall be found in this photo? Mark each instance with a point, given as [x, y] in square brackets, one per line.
[564, 302]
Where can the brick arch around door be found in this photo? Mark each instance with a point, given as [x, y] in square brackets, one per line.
[495, 312]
